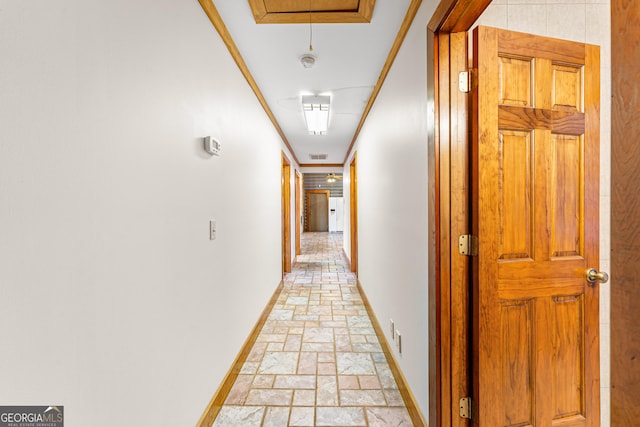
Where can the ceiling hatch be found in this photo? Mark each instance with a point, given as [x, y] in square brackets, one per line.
[322, 11]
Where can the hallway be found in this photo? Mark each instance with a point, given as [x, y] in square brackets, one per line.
[317, 360]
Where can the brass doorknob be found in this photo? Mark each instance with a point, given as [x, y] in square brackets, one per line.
[594, 276]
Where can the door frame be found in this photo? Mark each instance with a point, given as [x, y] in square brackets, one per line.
[353, 212]
[286, 215]
[449, 169]
[298, 210]
[307, 204]
[625, 218]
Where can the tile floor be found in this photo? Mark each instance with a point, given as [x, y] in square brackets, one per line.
[317, 360]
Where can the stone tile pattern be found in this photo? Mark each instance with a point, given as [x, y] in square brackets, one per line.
[317, 360]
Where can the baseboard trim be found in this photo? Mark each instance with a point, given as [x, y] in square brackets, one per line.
[211, 412]
[407, 395]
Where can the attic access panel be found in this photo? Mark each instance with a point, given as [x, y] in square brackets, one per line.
[322, 11]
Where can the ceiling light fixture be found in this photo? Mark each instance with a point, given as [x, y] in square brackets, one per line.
[316, 113]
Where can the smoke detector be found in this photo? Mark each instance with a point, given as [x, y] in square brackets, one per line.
[307, 60]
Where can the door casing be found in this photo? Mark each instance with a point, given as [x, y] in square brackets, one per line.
[298, 218]
[625, 214]
[353, 211]
[286, 215]
[449, 305]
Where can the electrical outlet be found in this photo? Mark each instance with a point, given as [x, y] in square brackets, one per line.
[393, 329]
[399, 341]
[212, 230]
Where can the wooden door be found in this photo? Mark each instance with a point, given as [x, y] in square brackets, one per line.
[318, 210]
[535, 176]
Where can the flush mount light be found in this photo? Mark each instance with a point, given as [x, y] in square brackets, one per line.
[307, 61]
[316, 113]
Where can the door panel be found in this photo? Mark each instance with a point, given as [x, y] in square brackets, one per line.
[515, 195]
[516, 320]
[535, 174]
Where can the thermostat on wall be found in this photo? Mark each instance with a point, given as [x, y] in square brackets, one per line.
[211, 146]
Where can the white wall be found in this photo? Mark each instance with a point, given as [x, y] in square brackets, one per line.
[113, 302]
[392, 206]
[586, 21]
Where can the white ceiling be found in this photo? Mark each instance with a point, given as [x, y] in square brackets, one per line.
[349, 60]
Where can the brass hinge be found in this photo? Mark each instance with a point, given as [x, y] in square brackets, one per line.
[464, 82]
[465, 408]
[468, 245]
[467, 80]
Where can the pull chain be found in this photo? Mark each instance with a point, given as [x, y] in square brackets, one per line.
[310, 30]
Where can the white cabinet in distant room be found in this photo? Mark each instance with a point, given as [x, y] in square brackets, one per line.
[336, 214]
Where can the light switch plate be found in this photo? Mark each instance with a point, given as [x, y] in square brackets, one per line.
[212, 230]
